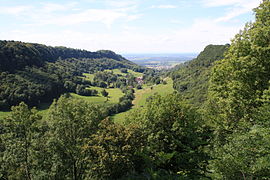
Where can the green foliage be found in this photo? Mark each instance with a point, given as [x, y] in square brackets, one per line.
[20, 143]
[104, 93]
[191, 78]
[245, 156]
[238, 81]
[72, 122]
[165, 139]
[175, 137]
[36, 73]
[238, 105]
[142, 95]
[139, 86]
[114, 150]
[81, 90]
[16, 55]
[123, 70]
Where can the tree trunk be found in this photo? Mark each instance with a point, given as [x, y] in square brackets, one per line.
[74, 170]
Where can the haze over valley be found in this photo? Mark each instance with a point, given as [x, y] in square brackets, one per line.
[160, 61]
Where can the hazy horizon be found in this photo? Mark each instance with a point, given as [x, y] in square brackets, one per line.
[126, 26]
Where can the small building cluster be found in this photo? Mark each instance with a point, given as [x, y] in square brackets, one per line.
[139, 80]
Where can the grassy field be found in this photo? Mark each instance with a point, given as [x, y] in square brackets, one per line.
[4, 114]
[114, 95]
[142, 95]
[88, 76]
[118, 71]
[42, 110]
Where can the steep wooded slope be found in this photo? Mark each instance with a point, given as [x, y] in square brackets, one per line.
[191, 78]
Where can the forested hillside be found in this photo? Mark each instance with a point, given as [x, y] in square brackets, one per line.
[168, 137]
[16, 55]
[34, 73]
[191, 78]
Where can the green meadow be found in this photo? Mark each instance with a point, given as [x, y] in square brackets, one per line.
[89, 77]
[3, 114]
[113, 97]
[142, 95]
[118, 71]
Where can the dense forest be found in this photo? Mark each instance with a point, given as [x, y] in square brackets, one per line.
[191, 78]
[215, 126]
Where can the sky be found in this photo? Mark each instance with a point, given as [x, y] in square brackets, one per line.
[125, 26]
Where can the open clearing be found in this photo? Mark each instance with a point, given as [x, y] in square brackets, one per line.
[114, 95]
[89, 77]
[4, 114]
[118, 71]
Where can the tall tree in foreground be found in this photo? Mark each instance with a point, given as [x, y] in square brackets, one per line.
[239, 104]
[238, 81]
[244, 154]
[19, 137]
[72, 121]
[175, 136]
[113, 150]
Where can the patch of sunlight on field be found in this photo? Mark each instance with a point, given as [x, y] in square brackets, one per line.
[88, 76]
[4, 114]
[114, 95]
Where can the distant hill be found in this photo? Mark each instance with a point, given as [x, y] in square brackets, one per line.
[35, 73]
[191, 78]
[16, 55]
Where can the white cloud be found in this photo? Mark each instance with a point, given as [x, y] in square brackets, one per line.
[165, 6]
[121, 3]
[236, 7]
[237, 11]
[176, 21]
[104, 16]
[69, 14]
[217, 3]
[52, 7]
[125, 37]
[133, 17]
[134, 39]
[16, 10]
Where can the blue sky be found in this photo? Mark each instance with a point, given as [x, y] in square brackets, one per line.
[125, 26]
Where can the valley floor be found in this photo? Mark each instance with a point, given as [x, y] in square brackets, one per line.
[140, 100]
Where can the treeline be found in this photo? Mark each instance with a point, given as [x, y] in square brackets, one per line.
[15, 55]
[109, 79]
